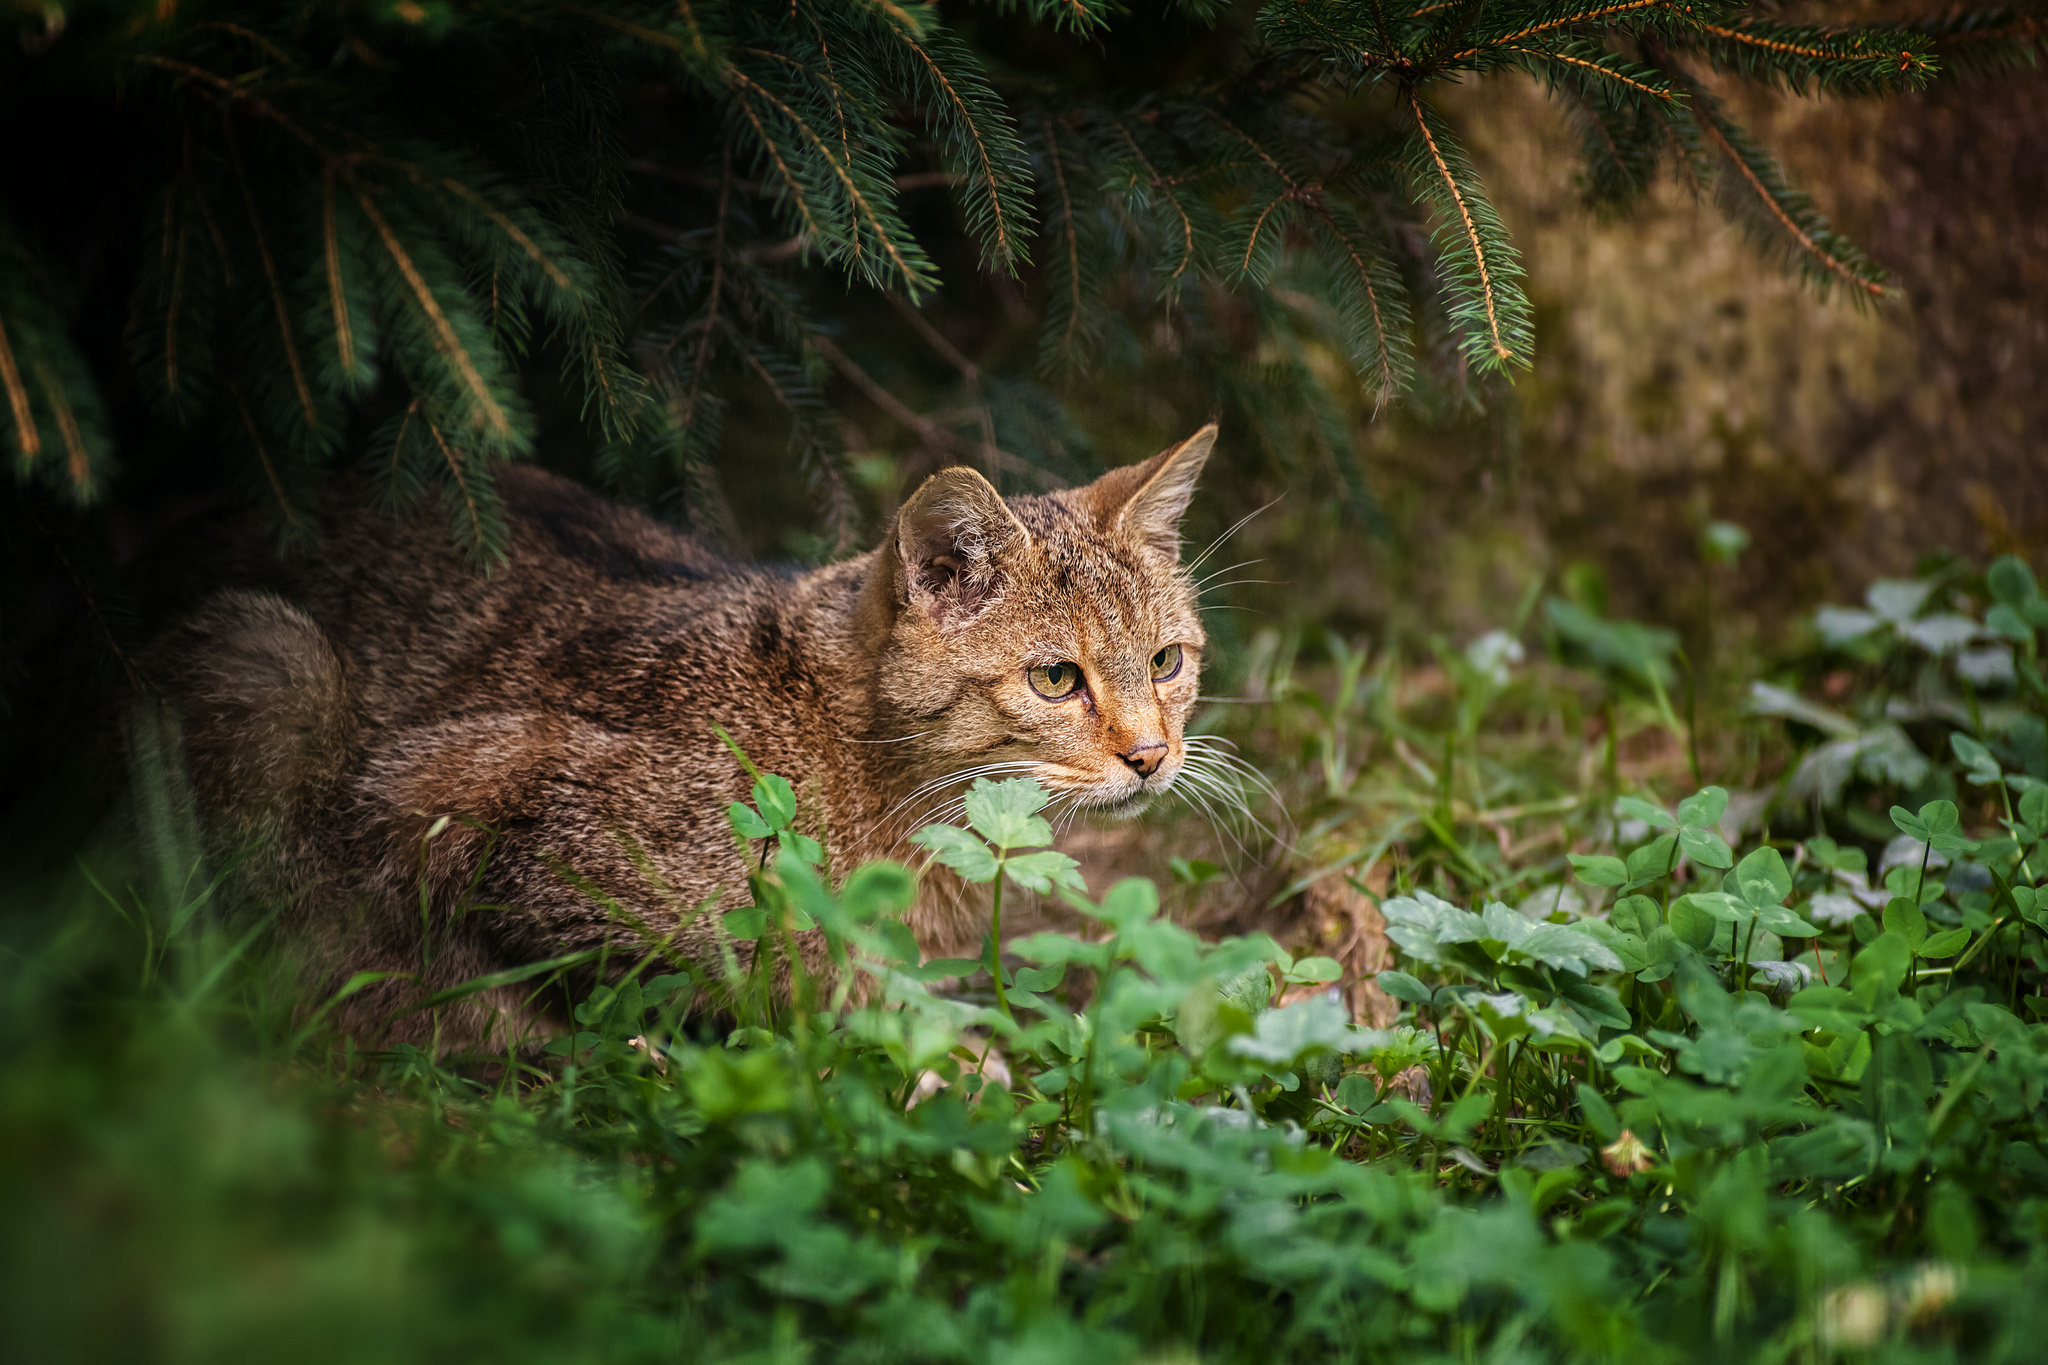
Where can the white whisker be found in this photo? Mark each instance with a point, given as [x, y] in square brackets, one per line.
[1218, 573]
[1232, 530]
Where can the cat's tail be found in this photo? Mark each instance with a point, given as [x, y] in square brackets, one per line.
[265, 712]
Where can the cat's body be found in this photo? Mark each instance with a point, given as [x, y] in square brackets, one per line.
[453, 774]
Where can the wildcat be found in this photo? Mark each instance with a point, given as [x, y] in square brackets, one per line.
[438, 768]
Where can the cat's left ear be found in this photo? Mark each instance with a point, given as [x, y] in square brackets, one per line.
[1144, 502]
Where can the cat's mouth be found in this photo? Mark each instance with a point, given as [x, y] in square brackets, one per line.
[1105, 794]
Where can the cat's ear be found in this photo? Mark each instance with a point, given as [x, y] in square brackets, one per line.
[953, 539]
[1144, 502]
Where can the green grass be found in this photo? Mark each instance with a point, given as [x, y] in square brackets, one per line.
[1631, 1131]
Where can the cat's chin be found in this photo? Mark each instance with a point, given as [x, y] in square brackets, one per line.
[1124, 807]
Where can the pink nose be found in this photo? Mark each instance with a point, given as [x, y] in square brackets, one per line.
[1144, 757]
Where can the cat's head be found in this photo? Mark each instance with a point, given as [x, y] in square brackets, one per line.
[1053, 636]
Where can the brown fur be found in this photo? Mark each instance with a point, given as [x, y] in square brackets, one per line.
[403, 721]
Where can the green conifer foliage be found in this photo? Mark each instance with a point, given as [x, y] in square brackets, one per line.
[368, 223]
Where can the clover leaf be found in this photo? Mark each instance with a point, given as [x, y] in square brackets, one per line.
[1936, 826]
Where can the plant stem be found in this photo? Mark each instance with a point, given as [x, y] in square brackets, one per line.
[1956, 967]
[1692, 724]
[995, 942]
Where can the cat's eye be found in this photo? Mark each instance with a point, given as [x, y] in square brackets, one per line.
[1166, 664]
[1055, 682]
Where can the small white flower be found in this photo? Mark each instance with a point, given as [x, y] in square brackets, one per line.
[1852, 1318]
[1550, 900]
[1931, 1290]
[1906, 851]
[1833, 909]
[1493, 653]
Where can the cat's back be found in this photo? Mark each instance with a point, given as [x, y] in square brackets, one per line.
[423, 629]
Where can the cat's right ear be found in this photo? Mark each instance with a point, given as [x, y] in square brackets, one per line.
[953, 538]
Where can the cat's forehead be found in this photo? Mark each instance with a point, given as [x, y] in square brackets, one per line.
[1085, 581]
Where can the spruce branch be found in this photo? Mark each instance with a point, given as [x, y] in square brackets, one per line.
[1607, 67]
[1386, 350]
[1378, 338]
[283, 313]
[1758, 194]
[1069, 237]
[444, 332]
[1481, 267]
[971, 116]
[1859, 61]
[417, 223]
[794, 189]
[1621, 146]
[1762, 177]
[233, 92]
[453, 461]
[28, 443]
[914, 279]
[1166, 190]
[177, 284]
[708, 329]
[78, 462]
[1571, 16]
[337, 294]
[518, 235]
[1979, 43]
[255, 435]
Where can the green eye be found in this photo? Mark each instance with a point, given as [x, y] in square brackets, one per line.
[1055, 682]
[1166, 663]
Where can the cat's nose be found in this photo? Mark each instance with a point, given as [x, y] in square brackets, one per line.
[1144, 757]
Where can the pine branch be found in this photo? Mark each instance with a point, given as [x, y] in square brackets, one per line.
[444, 332]
[997, 209]
[1479, 266]
[1369, 297]
[1779, 216]
[1979, 43]
[1384, 352]
[337, 293]
[78, 461]
[1070, 239]
[1182, 211]
[1596, 73]
[1859, 61]
[284, 504]
[284, 321]
[891, 237]
[1569, 15]
[28, 443]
